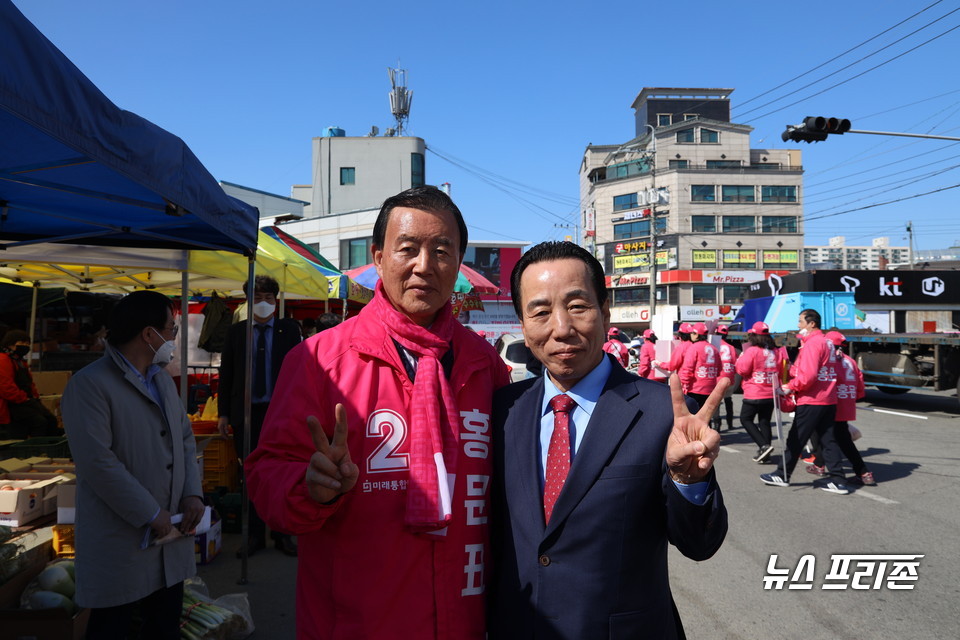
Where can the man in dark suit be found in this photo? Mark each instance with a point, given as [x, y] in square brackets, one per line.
[595, 470]
[272, 338]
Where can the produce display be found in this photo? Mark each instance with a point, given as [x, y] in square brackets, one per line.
[52, 588]
[210, 411]
[202, 620]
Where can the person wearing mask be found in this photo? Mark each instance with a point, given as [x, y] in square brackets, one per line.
[597, 472]
[701, 366]
[850, 388]
[759, 368]
[377, 451]
[814, 382]
[135, 453]
[728, 360]
[273, 338]
[615, 347]
[20, 406]
[648, 354]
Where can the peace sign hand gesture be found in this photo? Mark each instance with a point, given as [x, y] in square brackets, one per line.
[693, 445]
[330, 472]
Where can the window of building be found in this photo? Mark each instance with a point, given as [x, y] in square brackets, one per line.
[738, 193]
[739, 224]
[685, 135]
[348, 175]
[703, 224]
[739, 258]
[766, 166]
[709, 136]
[778, 194]
[735, 293]
[778, 224]
[703, 193]
[632, 229]
[777, 259]
[704, 258]
[723, 164]
[626, 201]
[679, 164]
[638, 295]
[664, 119]
[355, 252]
[417, 170]
[704, 294]
[690, 116]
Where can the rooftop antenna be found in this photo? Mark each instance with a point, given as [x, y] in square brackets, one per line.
[400, 97]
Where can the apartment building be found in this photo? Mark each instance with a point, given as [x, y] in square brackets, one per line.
[723, 214]
[838, 255]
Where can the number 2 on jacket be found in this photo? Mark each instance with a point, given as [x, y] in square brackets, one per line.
[390, 426]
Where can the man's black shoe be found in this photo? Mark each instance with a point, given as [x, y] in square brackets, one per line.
[287, 545]
[252, 548]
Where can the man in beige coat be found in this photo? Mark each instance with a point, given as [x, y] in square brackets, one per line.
[136, 466]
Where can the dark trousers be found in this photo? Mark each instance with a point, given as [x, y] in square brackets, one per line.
[809, 419]
[258, 529]
[841, 433]
[159, 615]
[728, 405]
[762, 410]
[31, 419]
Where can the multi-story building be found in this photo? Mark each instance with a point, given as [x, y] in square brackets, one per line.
[838, 255]
[724, 214]
[352, 176]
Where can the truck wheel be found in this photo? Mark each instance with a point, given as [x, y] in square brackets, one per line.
[894, 391]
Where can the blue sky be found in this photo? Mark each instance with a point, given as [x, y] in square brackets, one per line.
[509, 94]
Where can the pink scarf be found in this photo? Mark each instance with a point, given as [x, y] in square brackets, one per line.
[433, 414]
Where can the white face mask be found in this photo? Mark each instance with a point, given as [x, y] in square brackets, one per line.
[263, 309]
[802, 332]
[164, 354]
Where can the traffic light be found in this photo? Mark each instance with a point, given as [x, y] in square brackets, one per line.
[815, 129]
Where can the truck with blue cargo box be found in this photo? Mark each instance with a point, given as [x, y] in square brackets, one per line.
[922, 308]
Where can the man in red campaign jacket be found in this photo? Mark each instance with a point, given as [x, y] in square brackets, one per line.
[815, 384]
[676, 358]
[728, 359]
[376, 450]
[701, 365]
[615, 347]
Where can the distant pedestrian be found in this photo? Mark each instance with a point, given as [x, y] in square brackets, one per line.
[728, 360]
[648, 353]
[701, 366]
[679, 348]
[759, 367]
[615, 347]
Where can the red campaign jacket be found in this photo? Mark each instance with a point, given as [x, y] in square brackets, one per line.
[728, 358]
[814, 373]
[759, 368]
[648, 353]
[10, 393]
[361, 573]
[850, 388]
[676, 358]
[619, 351]
[701, 368]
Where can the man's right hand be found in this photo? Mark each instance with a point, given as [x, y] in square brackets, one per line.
[330, 473]
[223, 426]
[161, 524]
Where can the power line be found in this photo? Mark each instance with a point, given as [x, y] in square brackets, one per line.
[881, 204]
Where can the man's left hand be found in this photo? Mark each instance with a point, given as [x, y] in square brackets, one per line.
[192, 509]
[693, 445]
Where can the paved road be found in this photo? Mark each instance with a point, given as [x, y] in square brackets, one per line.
[913, 510]
[913, 453]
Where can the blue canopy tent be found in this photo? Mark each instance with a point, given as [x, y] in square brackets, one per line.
[75, 168]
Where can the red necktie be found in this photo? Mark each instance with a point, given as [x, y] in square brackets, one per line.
[558, 456]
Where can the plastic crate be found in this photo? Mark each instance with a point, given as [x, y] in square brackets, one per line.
[49, 447]
[220, 466]
[63, 540]
[204, 427]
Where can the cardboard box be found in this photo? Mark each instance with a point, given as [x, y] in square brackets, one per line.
[67, 502]
[207, 545]
[51, 383]
[14, 465]
[34, 495]
[52, 403]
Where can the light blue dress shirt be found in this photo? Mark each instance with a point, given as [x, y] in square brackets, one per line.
[586, 394]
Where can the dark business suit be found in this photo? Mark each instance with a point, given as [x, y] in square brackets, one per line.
[286, 335]
[599, 569]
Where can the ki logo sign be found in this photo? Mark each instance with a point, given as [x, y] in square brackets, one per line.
[932, 286]
[890, 287]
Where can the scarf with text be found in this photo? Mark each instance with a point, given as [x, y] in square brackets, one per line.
[433, 414]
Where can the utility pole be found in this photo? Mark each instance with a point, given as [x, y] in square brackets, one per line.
[653, 223]
[910, 246]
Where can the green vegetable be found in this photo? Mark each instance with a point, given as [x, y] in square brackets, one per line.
[55, 578]
[50, 600]
[68, 565]
[6, 533]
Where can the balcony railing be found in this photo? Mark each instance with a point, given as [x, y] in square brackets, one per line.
[702, 168]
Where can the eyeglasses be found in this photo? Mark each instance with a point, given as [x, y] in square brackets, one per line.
[175, 329]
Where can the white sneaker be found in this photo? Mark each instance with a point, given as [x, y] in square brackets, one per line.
[832, 486]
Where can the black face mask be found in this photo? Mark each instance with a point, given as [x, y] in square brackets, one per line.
[21, 350]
